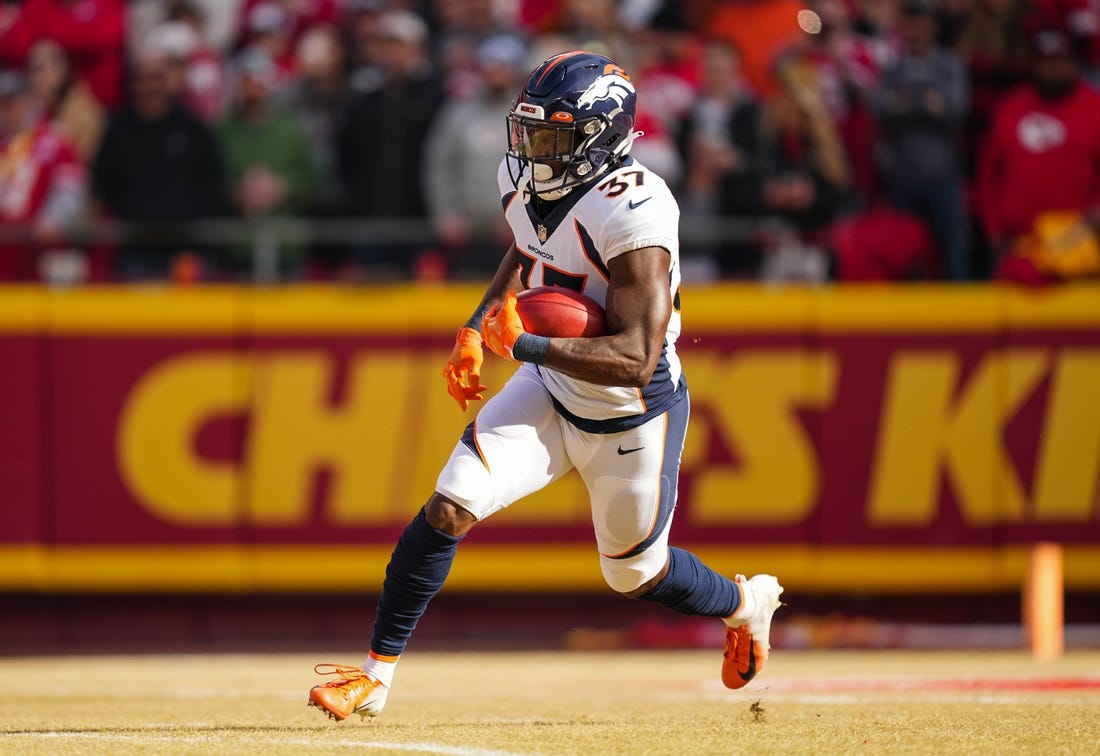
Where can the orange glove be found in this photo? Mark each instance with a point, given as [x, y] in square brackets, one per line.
[501, 327]
[463, 371]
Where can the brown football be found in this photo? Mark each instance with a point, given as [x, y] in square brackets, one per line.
[561, 312]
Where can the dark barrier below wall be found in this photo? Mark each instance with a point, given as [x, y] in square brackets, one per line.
[341, 623]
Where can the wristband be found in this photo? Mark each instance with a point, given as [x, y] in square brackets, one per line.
[531, 348]
[475, 319]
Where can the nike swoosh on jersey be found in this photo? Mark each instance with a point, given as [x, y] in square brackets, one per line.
[629, 451]
[634, 205]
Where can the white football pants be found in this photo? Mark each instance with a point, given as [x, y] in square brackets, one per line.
[518, 444]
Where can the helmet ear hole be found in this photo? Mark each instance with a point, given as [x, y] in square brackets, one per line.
[622, 123]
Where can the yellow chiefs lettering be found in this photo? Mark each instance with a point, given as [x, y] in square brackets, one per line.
[366, 436]
[934, 429]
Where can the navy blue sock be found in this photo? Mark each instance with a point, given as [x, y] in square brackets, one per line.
[690, 587]
[420, 563]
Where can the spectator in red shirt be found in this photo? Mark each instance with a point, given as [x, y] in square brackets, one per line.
[66, 99]
[42, 184]
[668, 65]
[92, 32]
[1042, 151]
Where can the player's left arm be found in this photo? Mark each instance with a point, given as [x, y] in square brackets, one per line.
[638, 307]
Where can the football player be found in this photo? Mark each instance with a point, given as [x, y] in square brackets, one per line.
[586, 216]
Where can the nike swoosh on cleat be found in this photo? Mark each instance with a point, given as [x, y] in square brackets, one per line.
[634, 205]
[751, 671]
[629, 451]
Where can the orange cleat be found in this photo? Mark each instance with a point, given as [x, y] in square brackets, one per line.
[353, 693]
[748, 643]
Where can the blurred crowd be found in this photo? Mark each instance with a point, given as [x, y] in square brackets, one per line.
[880, 139]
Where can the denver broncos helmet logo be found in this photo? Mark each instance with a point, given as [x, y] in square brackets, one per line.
[608, 87]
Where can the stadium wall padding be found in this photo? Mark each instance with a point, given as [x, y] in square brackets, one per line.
[225, 439]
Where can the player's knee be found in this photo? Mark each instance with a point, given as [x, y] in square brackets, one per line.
[635, 575]
[446, 516]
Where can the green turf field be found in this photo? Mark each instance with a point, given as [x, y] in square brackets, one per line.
[559, 703]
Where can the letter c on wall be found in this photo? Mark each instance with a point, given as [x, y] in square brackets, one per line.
[155, 441]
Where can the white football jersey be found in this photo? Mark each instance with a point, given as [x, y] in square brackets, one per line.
[626, 209]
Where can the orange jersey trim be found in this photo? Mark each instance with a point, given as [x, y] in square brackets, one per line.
[480, 453]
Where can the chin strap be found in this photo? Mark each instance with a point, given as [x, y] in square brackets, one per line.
[523, 186]
[557, 194]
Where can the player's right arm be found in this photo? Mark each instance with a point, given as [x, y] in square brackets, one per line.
[463, 369]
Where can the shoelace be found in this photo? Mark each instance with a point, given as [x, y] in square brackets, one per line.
[345, 671]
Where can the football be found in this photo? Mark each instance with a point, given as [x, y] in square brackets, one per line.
[561, 312]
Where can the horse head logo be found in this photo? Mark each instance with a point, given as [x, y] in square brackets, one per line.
[608, 87]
